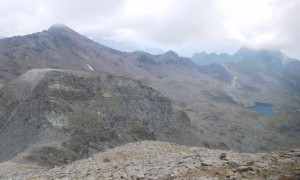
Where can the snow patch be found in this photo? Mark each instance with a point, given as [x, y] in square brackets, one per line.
[90, 67]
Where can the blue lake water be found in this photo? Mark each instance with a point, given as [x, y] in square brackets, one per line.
[264, 108]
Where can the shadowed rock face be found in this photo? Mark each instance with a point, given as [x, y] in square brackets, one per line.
[217, 71]
[60, 116]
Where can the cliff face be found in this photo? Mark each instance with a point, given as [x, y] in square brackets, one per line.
[58, 116]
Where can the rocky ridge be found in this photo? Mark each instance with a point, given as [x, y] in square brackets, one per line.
[54, 117]
[158, 160]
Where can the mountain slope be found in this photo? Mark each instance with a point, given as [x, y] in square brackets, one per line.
[216, 97]
[62, 48]
[56, 116]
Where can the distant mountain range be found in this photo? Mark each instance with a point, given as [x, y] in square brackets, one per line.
[205, 59]
[244, 53]
[213, 98]
[125, 47]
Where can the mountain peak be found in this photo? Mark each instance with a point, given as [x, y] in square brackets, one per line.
[248, 50]
[60, 29]
[171, 53]
[271, 59]
[203, 52]
[59, 26]
[251, 53]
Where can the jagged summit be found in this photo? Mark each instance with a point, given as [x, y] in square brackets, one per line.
[204, 58]
[205, 54]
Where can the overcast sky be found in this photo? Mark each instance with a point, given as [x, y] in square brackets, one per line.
[186, 26]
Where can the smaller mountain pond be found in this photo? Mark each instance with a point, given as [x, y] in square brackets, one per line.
[264, 108]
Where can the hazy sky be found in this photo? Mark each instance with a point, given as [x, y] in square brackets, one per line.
[186, 26]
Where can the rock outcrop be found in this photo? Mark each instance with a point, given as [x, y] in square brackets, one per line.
[54, 117]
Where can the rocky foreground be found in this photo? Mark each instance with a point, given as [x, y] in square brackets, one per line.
[159, 160]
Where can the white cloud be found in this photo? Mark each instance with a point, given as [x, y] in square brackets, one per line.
[185, 26]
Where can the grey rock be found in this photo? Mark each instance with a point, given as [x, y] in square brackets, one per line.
[223, 156]
[244, 169]
[166, 157]
[206, 163]
[262, 165]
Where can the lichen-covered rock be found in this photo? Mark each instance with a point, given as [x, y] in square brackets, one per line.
[61, 116]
